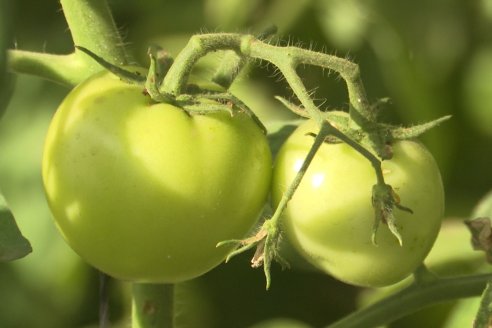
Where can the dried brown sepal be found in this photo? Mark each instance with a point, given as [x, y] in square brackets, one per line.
[481, 231]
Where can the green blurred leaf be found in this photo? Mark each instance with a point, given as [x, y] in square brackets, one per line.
[12, 244]
[462, 314]
[229, 15]
[344, 22]
[484, 207]
[477, 89]
[452, 253]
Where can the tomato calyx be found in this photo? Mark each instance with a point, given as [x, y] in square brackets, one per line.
[193, 101]
[382, 136]
[384, 201]
[374, 135]
[266, 241]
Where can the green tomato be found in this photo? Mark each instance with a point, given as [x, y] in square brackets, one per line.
[330, 217]
[144, 191]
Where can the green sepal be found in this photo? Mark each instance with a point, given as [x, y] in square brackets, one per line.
[124, 74]
[384, 202]
[401, 133]
[292, 107]
[266, 241]
[160, 62]
[225, 99]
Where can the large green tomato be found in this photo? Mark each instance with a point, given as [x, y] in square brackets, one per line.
[144, 191]
[330, 217]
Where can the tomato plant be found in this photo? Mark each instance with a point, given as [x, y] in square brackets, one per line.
[330, 217]
[150, 181]
[144, 191]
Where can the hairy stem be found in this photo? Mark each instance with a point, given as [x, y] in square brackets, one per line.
[285, 58]
[197, 47]
[484, 315]
[286, 197]
[153, 305]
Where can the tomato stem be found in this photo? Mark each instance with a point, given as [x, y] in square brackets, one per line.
[484, 314]
[273, 223]
[232, 64]
[91, 25]
[286, 59]
[153, 305]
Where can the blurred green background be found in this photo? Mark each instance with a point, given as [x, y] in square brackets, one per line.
[432, 58]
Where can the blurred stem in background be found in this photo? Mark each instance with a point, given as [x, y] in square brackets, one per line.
[92, 26]
[6, 85]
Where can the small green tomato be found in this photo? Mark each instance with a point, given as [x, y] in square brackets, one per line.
[330, 217]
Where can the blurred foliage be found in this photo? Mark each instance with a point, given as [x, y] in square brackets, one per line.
[12, 244]
[5, 42]
[431, 57]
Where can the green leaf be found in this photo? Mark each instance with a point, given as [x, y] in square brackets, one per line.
[12, 244]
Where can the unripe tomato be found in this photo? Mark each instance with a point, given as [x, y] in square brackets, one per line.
[144, 191]
[330, 217]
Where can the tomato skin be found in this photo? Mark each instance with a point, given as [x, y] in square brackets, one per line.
[330, 217]
[144, 191]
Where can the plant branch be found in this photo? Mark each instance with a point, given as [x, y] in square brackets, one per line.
[484, 315]
[62, 69]
[273, 224]
[413, 298]
[92, 27]
[285, 58]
